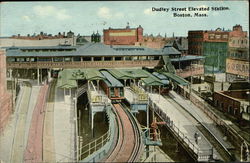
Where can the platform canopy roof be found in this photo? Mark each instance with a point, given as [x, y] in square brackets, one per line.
[128, 73]
[176, 78]
[163, 78]
[88, 74]
[64, 80]
[110, 80]
[151, 80]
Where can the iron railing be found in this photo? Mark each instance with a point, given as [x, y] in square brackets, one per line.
[178, 132]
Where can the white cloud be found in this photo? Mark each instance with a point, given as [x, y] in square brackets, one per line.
[26, 18]
[51, 11]
[148, 11]
[105, 12]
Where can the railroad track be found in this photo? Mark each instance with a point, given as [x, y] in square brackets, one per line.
[18, 146]
[221, 149]
[224, 153]
[129, 145]
[48, 128]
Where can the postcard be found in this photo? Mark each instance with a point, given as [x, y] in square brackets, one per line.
[124, 81]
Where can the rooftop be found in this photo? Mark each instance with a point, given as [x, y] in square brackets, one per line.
[110, 80]
[88, 49]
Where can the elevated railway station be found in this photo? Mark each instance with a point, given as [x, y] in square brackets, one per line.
[122, 83]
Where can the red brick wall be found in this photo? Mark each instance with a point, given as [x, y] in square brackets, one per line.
[123, 39]
[222, 36]
[219, 98]
[236, 94]
[195, 39]
[238, 32]
[5, 97]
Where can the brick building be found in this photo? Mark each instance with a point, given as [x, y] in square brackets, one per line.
[156, 42]
[211, 44]
[197, 38]
[123, 36]
[238, 55]
[234, 103]
[5, 97]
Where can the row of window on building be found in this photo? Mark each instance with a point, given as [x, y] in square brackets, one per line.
[238, 55]
[238, 67]
[78, 59]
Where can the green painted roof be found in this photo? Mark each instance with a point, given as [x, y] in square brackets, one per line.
[93, 74]
[64, 80]
[128, 73]
[119, 74]
[151, 80]
[176, 78]
[168, 65]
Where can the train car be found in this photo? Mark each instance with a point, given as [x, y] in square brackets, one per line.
[55, 73]
[166, 84]
[112, 87]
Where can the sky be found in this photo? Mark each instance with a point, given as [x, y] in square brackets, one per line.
[84, 17]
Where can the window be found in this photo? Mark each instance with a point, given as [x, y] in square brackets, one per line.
[112, 92]
[248, 109]
[86, 58]
[77, 59]
[20, 59]
[156, 58]
[33, 59]
[217, 36]
[10, 59]
[107, 58]
[128, 58]
[121, 92]
[118, 58]
[67, 59]
[44, 59]
[216, 103]
[224, 36]
[97, 58]
[143, 58]
[222, 105]
[58, 59]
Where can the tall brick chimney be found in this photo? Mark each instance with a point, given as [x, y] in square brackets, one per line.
[140, 33]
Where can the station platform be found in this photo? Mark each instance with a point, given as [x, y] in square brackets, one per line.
[64, 127]
[201, 117]
[185, 125]
[136, 103]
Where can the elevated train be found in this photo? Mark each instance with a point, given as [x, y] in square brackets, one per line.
[112, 87]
